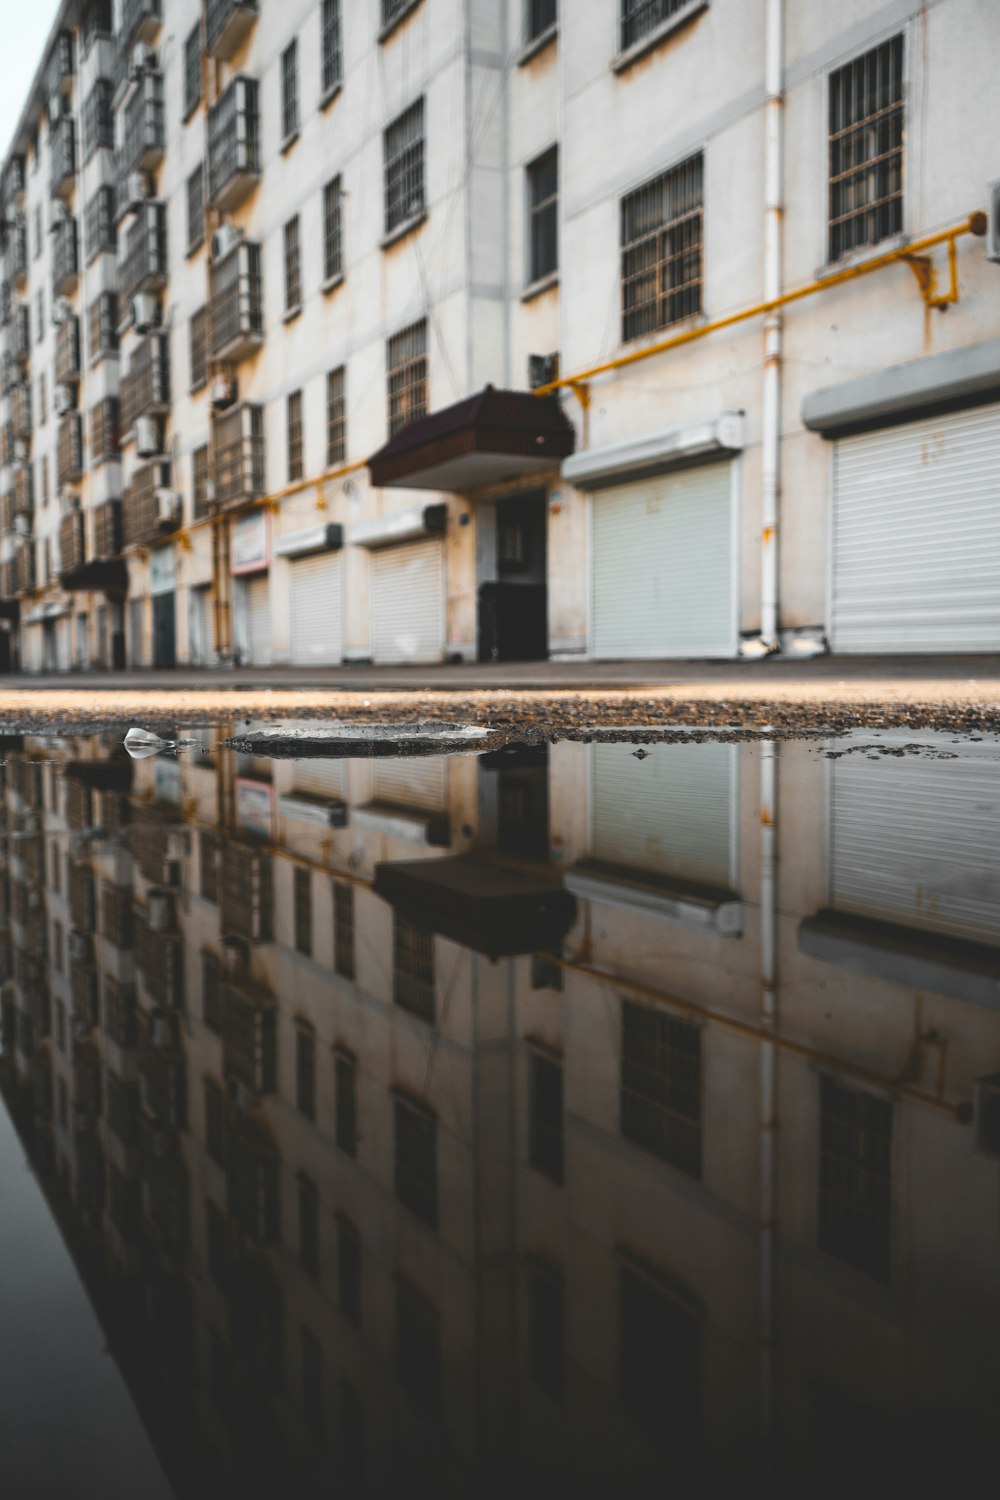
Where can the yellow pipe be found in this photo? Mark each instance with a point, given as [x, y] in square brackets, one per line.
[270, 500]
[974, 224]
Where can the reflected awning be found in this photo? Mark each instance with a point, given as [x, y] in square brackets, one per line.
[914, 957]
[487, 439]
[108, 575]
[490, 908]
[111, 775]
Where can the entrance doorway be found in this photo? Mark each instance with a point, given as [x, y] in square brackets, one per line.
[513, 591]
[164, 630]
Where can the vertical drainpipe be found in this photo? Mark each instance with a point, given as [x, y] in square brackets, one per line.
[774, 52]
[768, 1092]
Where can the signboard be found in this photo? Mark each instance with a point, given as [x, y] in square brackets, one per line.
[255, 807]
[163, 570]
[249, 543]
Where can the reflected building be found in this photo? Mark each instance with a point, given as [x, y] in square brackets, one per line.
[570, 1116]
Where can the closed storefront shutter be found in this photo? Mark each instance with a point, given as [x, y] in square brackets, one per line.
[917, 842]
[671, 814]
[916, 536]
[321, 778]
[663, 577]
[415, 783]
[317, 611]
[259, 619]
[408, 603]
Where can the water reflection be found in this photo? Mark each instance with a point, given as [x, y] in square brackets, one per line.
[564, 1119]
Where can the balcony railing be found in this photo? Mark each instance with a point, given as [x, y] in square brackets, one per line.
[16, 259]
[70, 449]
[227, 23]
[141, 523]
[6, 302]
[146, 386]
[8, 578]
[233, 144]
[10, 375]
[108, 529]
[14, 182]
[24, 568]
[105, 431]
[62, 156]
[65, 259]
[144, 267]
[159, 958]
[20, 411]
[22, 332]
[246, 904]
[24, 490]
[236, 306]
[140, 21]
[71, 552]
[7, 512]
[249, 1037]
[238, 457]
[143, 139]
[60, 70]
[68, 351]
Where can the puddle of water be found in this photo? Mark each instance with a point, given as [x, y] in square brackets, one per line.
[576, 1118]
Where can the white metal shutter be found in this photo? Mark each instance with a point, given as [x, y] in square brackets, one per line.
[671, 814]
[259, 619]
[408, 603]
[321, 778]
[418, 782]
[663, 578]
[917, 841]
[916, 536]
[317, 610]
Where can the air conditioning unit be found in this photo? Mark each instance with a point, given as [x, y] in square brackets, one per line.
[176, 843]
[61, 311]
[209, 491]
[58, 106]
[69, 501]
[62, 400]
[161, 1030]
[147, 437]
[79, 947]
[20, 451]
[241, 1096]
[168, 508]
[993, 221]
[138, 188]
[161, 1144]
[22, 524]
[987, 1107]
[235, 957]
[142, 60]
[223, 392]
[80, 1027]
[542, 370]
[225, 238]
[160, 911]
[145, 312]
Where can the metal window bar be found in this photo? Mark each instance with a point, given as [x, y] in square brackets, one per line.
[404, 167]
[65, 258]
[305, 1070]
[640, 17]
[236, 297]
[540, 16]
[144, 133]
[413, 968]
[333, 264]
[302, 889]
[219, 13]
[661, 1086]
[104, 431]
[391, 9]
[102, 330]
[336, 453]
[192, 70]
[866, 149]
[238, 456]
[144, 267]
[97, 22]
[62, 155]
[855, 1178]
[331, 46]
[233, 135]
[196, 208]
[345, 1103]
[661, 250]
[543, 190]
[99, 119]
[199, 348]
[69, 449]
[545, 1147]
[308, 1225]
[406, 364]
[134, 14]
[108, 536]
[199, 489]
[146, 387]
[293, 273]
[99, 229]
[290, 89]
[416, 1161]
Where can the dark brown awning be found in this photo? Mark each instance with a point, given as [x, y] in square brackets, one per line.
[102, 575]
[485, 440]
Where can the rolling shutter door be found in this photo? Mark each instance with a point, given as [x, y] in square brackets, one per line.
[663, 578]
[408, 603]
[415, 782]
[918, 842]
[317, 611]
[321, 778]
[670, 815]
[259, 619]
[916, 536]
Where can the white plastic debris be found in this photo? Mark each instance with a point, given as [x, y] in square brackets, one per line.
[141, 743]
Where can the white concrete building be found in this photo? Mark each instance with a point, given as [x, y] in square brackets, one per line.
[336, 226]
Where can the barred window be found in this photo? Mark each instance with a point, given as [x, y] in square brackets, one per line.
[196, 208]
[39, 315]
[547, 1328]
[661, 248]
[345, 1090]
[332, 61]
[312, 1380]
[540, 17]
[199, 487]
[336, 453]
[192, 70]
[659, 1356]
[104, 431]
[290, 90]
[42, 403]
[855, 1177]
[99, 230]
[215, 1122]
[543, 207]
[102, 326]
[413, 968]
[406, 364]
[333, 256]
[99, 118]
[404, 167]
[302, 891]
[545, 1132]
[418, 1347]
[661, 1086]
[416, 1160]
[640, 17]
[305, 1071]
[211, 970]
[38, 230]
[199, 348]
[208, 844]
[293, 268]
[349, 1269]
[866, 149]
[391, 9]
[295, 471]
[308, 1225]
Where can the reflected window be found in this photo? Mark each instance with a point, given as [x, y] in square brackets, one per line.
[413, 968]
[312, 1380]
[308, 1225]
[416, 1160]
[211, 992]
[855, 1177]
[546, 1115]
[215, 1122]
[349, 1269]
[303, 910]
[547, 1328]
[343, 929]
[208, 846]
[345, 1070]
[305, 1071]
[217, 1231]
[352, 1435]
[418, 1347]
[661, 1086]
[659, 1356]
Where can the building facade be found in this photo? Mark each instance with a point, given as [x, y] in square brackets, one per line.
[336, 333]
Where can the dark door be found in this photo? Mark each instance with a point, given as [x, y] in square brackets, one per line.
[164, 630]
[513, 609]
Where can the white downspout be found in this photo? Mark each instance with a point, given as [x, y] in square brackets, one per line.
[768, 1095]
[774, 57]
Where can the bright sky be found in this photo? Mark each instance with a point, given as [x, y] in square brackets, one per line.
[24, 25]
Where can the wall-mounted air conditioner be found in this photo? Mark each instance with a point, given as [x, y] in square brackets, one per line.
[160, 911]
[147, 437]
[22, 524]
[142, 60]
[61, 311]
[993, 221]
[168, 507]
[58, 214]
[62, 400]
[542, 370]
[225, 238]
[223, 392]
[145, 312]
[138, 187]
[20, 451]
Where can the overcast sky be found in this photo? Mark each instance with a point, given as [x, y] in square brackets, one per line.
[24, 25]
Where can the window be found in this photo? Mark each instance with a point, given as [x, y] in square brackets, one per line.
[547, 1328]
[192, 70]
[659, 1356]
[63, 1104]
[418, 1347]
[215, 1122]
[208, 844]
[640, 17]
[312, 1380]
[196, 208]
[38, 230]
[293, 276]
[336, 453]
[308, 1225]
[392, 10]
[661, 1086]
[40, 315]
[102, 326]
[352, 1436]
[406, 364]
[855, 1177]
[305, 1070]
[330, 23]
[199, 348]
[866, 149]
[104, 431]
[290, 91]
[540, 17]
[543, 210]
[42, 403]
[416, 1160]
[199, 490]
[413, 968]
[302, 895]
[333, 264]
[57, 946]
[349, 1269]
[661, 241]
[404, 168]
[99, 231]
[545, 1149]
[295, 471]
[345, 1084]
[211, 972]
[99, 118]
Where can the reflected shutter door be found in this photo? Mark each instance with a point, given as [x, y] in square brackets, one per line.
[916, 536]
[918, 842]
[663, 579]
[317, 611]
[408, 603]
[259, 616]
[671, 814]
[321, 778]
[419, 783]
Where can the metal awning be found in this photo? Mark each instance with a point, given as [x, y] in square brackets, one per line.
[487, 439]
[101, 575]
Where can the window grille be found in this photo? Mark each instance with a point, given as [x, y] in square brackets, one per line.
[661, 246]
[308, 1225]
[640, 17]
[349, 1269]
[659, 1357]
[416, 1160]
[199, 348]
[192, 70]
[290, 90]
[333, 261]
[406, 362]
[413, 968]
[104, 431]
[312, 1380]
[39, 315]
[215, 1122]
[293, 273]
[404, 167]
[331, 46]
[99, 118]
[295, 471]
[196, 208]
[102, 327]
[199, 487]
[547, 1328]
[418, 1347]
[543, 204]
[99, 230]
[661, 1086]
[391, 9]
[211, 992]
[866, 149]
[305, 1071]
[336, 453]
[345, 1084]
[540, 17]
[855, 1177]
[545, 1149]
